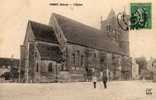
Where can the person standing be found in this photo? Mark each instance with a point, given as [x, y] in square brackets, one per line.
[104, 80]
[94, 81]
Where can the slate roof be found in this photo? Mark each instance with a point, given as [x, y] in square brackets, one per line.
[9, 61]
[43, 32]
[84, 35]
[48, 52]
[76, 32]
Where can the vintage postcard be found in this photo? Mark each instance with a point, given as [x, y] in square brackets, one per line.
[77, 50]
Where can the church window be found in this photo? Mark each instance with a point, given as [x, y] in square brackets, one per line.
[35, 54]
[37, 67]
[60, 35]
[82, 60]
[62, 67]
[102, 60]
[78, 57]
[50, 69]
[66, 56]
[94, 55]
[109, 28]
[73, 59]
[117, 35]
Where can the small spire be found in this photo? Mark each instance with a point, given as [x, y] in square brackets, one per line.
[111, 14]
[124, 12]
[124, 9]
[101, 18]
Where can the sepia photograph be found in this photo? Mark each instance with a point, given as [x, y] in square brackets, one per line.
[77, 50]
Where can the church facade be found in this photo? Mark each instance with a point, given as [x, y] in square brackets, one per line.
[66, 50]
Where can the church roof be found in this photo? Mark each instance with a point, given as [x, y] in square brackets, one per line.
[84, 35]
[43, 32]
[49, 52]
[77, 32]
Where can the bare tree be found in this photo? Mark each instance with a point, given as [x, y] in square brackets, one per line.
[142, 62]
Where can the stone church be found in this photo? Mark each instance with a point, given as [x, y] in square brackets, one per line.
[66, 50]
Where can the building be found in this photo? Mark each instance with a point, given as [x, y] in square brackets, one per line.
[154, 70]
[144, 68]
[67, 50]
[151, 69]
[9, 69]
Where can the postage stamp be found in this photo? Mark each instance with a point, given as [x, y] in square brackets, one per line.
[140, 16]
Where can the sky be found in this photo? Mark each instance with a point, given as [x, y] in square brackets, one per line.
[16, 13]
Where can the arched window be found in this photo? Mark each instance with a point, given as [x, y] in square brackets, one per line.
[78, 57]
[108, 28]
[94, 55]
[50, 69]
[37, 67]
[62, 67]
[82, 60]
[73, 59]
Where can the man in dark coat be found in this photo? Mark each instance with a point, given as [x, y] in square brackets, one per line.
[104, 80]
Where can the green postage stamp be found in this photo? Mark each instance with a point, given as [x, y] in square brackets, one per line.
[141, 17]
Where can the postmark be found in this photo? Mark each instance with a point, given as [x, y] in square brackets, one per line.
[140, 16]
[123, 21]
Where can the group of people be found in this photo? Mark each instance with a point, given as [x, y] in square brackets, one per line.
[103, 78]
[92, 76]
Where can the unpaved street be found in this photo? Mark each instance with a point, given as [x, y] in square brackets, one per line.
[117, 90]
